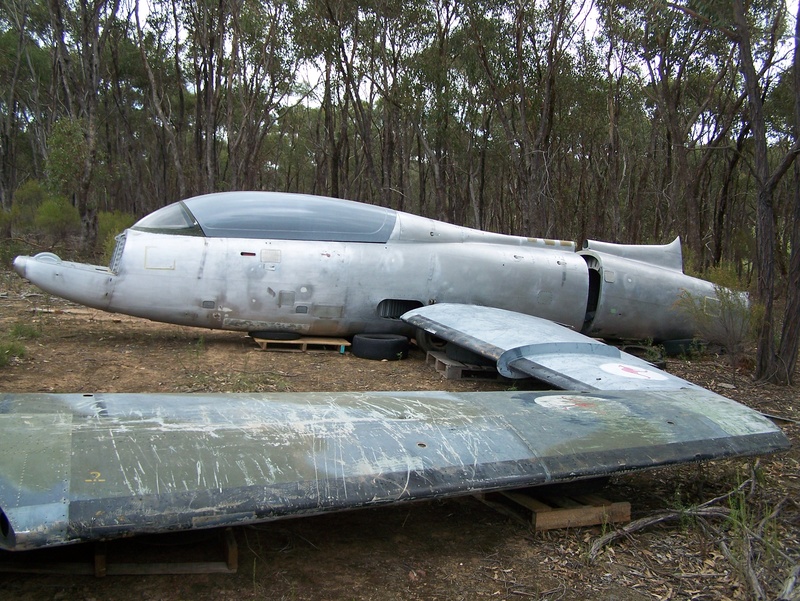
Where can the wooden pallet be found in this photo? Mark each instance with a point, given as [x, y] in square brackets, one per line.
[301, 345]
[60, 561]
[455, 370]
[546, 511]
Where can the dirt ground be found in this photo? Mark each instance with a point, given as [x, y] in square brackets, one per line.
[447, 550]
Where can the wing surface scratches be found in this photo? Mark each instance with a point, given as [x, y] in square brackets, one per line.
[157, 462]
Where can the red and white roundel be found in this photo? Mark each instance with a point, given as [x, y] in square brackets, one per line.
[566, 402]
[633, 372]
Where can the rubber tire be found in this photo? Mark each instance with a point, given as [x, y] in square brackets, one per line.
[683, 347]
[277, 335]
[466, 356]
[428, 342]
[380, 347]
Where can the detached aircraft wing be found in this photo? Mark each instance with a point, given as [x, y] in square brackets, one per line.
[80, 467]
[525, 346]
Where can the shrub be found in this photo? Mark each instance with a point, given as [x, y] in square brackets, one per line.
[109, 225]
[728, 319]
[26, 201]
[5, 224]
[9, 350]
[57, 218]
[24, 331]
[10, 249]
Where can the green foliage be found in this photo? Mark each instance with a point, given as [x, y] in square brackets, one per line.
[10, 249]
[57, 218]
[67, 155]
[9, 351]
[479, 112]
[109, 225]
[724, 275]
[27, 199]
[24, 331]
[727, 319]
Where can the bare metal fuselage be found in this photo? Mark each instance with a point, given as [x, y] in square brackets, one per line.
[320, 287]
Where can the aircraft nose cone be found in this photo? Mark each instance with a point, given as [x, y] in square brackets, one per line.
[20, 263]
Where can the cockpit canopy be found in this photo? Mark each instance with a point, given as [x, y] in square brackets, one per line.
[272, 215]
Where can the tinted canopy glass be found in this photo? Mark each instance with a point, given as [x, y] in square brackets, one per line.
[280, 216]
[172, 219]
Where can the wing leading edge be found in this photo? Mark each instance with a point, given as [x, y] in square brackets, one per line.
[524, 346]
[87, 467]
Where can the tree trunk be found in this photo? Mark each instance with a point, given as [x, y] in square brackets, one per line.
[790, 335]
[768, 366]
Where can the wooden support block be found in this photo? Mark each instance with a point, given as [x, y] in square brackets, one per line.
[100, 560]
[455, 370]
[51, 561]
[231, 551]
[301, 345]
[547, 511]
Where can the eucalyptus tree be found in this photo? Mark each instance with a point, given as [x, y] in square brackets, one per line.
[206, 23]
[332, 37]
[259, 80]
[402, 33]
[755, 31]
[80, 31]
[523, 48]
[431, 109]
[688, 73]
[25, 82]
[161, 51]
[317, 47]
[771, 364]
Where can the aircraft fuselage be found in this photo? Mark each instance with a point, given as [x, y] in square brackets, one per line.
[363, 282]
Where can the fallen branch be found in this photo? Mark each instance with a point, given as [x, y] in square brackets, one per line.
[658, 518]
[747, 483]
[743, 560]
[745, 567]
[790, 592]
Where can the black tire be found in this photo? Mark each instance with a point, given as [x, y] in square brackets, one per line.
[683, 347]
[380, 347]
[466, 356]
[270, 335]
[428, 342]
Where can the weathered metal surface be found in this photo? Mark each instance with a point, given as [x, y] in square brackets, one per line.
[668, 256]
[634, 299]
[86, 467]
[319, 266]
[524, 345]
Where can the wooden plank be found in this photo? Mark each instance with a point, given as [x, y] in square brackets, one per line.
[511, 510]
[189, 567]
[100, 560]
[591, 499]
[231, 551]
[100, 564]
[304, 344]
[527, 501]
[571, 513]
[575, 517]
[456, 370]
[545, 510]
[561, 501]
